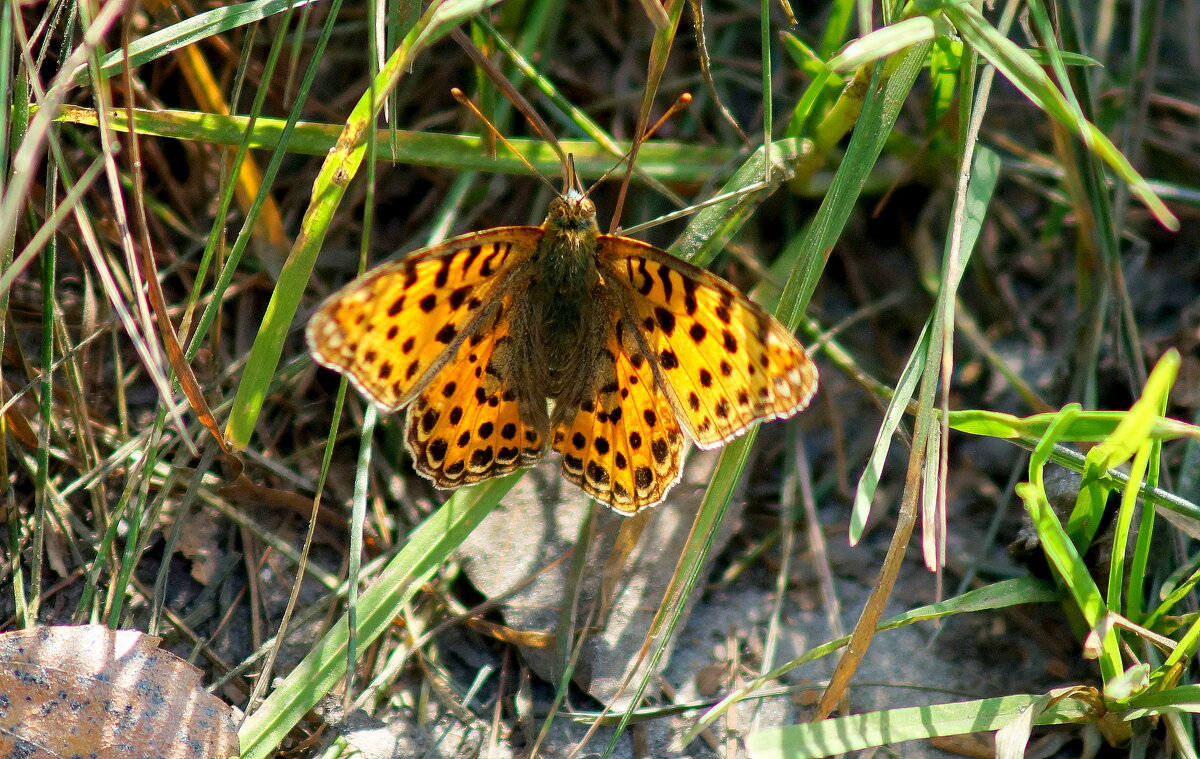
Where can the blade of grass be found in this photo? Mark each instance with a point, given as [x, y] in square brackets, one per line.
[329, 187]
[1087, 427]
[883, 42]
[693, 245]
[859, 731]
[13, 124]
[1000, 595]
[711, 229]
[692, 560]
[189, 31]
[425, 550]
[986, 174]
[12, 93]
[1132, 438]
[664, 160]
[1060, 551]
[877, 117]
[1031, 79]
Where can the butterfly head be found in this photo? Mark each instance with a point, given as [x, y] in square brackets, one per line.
[572, 211]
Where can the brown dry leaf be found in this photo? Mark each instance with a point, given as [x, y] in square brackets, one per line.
[712, 679]
[201, 542]
[92, 691]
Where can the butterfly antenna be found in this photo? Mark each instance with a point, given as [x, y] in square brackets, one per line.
[493, 72]
[682, 102]
[466, 103]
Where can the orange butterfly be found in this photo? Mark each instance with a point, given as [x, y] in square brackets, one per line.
[633, 346]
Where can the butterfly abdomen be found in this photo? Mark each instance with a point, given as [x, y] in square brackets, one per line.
[565, 319]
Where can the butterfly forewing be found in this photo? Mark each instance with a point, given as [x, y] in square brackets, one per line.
[478, 418]
[394, 326]
[724, 360]
[621, 443]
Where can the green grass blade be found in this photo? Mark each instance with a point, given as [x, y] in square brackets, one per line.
[431, 544]
[875, 123]
[187, 32]
[884, 42]
[1087, 427]
[713, 226]
[1139, 423]
[659, 159]
[878, 116]
[696, 244]
[985, 174]
[692, 560]
[328, 189]
[1031, 79]
[1000, 595]
[860, 731]
[1061, 552]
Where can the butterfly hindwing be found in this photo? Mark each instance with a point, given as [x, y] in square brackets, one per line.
[477, 418]
[620, 442]
[397, 324]
[725, 361]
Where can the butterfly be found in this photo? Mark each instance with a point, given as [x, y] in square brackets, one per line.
[634, 348]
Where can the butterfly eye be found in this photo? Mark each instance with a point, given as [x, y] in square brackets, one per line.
[587, 207]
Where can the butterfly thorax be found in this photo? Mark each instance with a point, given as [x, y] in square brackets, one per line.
[567, 252]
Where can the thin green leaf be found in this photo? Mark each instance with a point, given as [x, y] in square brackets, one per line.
[1142, 420]
[665, 160]
[884, 42]
[985, 174]
[999, 595]
[431, 544]
[1031, 79]
[189, 31]
[1087, 427]
[1068, 564]
[711, 223]
[860, 731]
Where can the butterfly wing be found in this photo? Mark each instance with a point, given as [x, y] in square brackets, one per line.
[619, 440]
[725, 362]
[479, 416]
[399, 323]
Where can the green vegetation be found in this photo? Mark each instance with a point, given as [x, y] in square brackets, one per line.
[981, 221]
